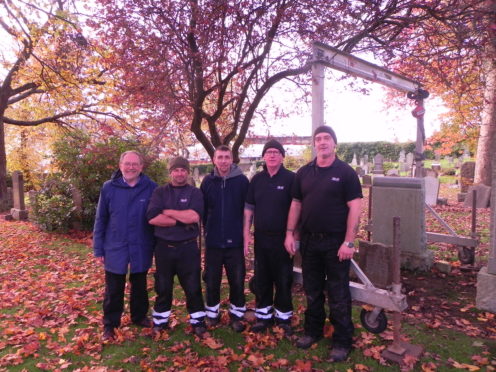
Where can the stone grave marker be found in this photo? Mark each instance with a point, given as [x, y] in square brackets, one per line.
[402, 197]
[375, 261]
[431, 190]
[436, 167]
[359, 171]
[483, 195]
[393, 172]
[354, 162]
[18, 212]
[378, 164]
[409, 161]
[467, 173]
[402, 156]
[367, 180]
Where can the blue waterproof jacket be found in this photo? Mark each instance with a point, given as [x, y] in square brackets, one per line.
[224, 199]
[122, 234]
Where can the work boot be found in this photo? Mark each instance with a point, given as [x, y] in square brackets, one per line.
[160, 327]
[212, 322]
[145, 323]
[286, 327]
[339, 354]
[199, 329]
[261, 325]
[108, 333]
[305, 341]
[237, 325]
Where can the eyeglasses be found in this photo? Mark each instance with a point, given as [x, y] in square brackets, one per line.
[273, 152]
[134, 165]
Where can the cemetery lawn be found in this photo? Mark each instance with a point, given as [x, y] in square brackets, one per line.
[51, 294]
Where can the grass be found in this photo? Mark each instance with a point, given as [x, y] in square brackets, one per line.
[50, 318]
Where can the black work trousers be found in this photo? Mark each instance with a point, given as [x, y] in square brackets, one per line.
[182, 260]
[233, 260]
[323, 272]
[273, 269]
[113, 302]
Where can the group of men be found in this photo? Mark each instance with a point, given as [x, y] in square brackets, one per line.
[319, 206]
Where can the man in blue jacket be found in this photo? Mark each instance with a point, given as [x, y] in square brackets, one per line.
[224, 193]
[122, 240]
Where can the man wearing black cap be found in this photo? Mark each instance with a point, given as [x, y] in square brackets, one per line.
[175, 210]
[326, 206]
[268, 199]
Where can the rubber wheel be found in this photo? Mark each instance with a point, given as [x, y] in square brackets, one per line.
[466, 255]
[251, 284]
[378, 326]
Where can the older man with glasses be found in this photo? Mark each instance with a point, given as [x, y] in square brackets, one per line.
[268, 201]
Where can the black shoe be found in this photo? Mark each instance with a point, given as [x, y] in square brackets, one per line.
[145, 323]
[108, 334]
[305, 341]
[212, 322]
[237, 325]
[261, 325]
[160, 327]
[339, 354]
[286, 327]
[199, 329]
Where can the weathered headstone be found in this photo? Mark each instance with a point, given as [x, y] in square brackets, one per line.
[354, 162]
[392, 172]
[436, 167]
[486, 278]
[409, 161]
[359, 171]
[378, 164]
[18, 212]
[467, 173]
[402, 197]
[367, 180]
[402, 156]
[431, 190]
[426, 172]
[482, 196]
[375, 262]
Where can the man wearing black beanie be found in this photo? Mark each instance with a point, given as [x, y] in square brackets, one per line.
[268, 200]
[326, 206]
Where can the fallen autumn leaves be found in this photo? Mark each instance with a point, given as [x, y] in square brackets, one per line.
[50, 319]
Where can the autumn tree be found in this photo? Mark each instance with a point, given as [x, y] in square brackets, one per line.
[49, 69]
[453, 54]
[207, 65]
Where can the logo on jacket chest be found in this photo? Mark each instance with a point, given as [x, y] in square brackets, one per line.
[183, 200]
[281, 187]
[335, 179]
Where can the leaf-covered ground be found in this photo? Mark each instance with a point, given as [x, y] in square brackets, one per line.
[50, 317]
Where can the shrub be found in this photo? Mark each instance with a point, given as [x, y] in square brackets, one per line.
[53, 207]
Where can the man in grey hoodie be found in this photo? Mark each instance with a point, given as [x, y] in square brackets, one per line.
[224, 193]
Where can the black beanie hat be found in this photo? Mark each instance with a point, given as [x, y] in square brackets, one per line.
[178, 162]
[273, 144]
[326, 129]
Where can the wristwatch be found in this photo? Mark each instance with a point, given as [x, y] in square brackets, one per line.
[350, 244]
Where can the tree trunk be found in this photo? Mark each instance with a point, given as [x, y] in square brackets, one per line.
[488, 116]
[3, 169]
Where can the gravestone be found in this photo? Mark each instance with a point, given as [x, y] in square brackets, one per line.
[431, 190]
[483, 194]
[392, 172]
[252, 171]
[10, 198]
[367, 180]
[196, 175]
[18, 212]
[436, 167]
[409, 161]
[378, 164]
[354, 162]
[375, 261]
[467, 173]
[486, 278]
[402, 157]
[359, 171]
[403, 197]
[426, 172]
